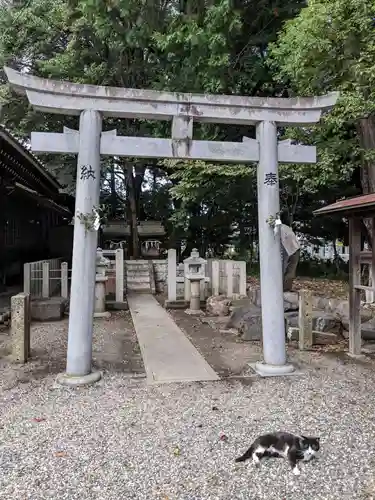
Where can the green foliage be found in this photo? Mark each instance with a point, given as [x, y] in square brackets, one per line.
[196, 49]
[218, 46]
[331, 46]
[314, 267]
[222, 199]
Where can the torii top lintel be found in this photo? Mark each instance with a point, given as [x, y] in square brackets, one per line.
[52, 96]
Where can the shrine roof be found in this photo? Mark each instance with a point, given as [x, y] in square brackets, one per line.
[21, 164]
[362, 205]
[42, 200]
[27, 174]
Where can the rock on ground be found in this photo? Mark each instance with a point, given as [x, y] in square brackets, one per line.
[218, 305]
[247, 320]
[321, 321]
[368, 330]
[290, 299]
[329, 314]
[342, 312]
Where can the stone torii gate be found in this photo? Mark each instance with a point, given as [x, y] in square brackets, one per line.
[93, 103]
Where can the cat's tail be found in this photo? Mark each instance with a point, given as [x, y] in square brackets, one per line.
[248, 454]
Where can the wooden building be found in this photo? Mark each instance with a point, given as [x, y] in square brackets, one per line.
[30, 205]
[356, 210]
[151, 233]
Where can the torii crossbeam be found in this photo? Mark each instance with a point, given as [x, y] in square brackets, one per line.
[93, 103]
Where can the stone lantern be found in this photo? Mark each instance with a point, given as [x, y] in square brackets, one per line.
[195, 274]
[100, 280]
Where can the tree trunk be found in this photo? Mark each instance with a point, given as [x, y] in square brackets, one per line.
[194, 232]
[113, 196]
[133, 212]
[251, 248]
[366, 134]
[138, 181]
[336, 257]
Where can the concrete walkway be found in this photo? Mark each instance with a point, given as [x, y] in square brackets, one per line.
[168, 355]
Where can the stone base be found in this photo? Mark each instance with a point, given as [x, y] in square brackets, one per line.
[265, 370]
[180, 304]
[51, 309]
[116, 306]
[193, 312]
[358, 356]
[105, 314]
[368, 349]
[229, 331]
[71, 381]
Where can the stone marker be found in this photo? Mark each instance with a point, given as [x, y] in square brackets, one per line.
[20, 327]
[305, 320]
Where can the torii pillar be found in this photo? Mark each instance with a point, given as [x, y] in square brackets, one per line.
[92, 103]
[85, 240]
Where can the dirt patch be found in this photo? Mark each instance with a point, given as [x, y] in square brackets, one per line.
[229, 356]
[115, 349]
[226, 353]
[319, 286]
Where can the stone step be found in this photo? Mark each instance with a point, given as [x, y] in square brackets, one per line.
[137, 276]
[137, 265]
[138, 279]
[139, 272]
[139, 288]
[136, 262]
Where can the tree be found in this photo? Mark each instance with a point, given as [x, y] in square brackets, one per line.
[104, 43]
[330, 46]
[221, 50]
[216, 202]
[215, 46]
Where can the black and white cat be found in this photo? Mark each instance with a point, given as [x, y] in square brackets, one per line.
[282, 444]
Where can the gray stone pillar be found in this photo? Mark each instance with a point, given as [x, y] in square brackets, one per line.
[20, 327]
[271, 276]
[99, 310]
[172, 275]
[195, 299]
[82, 293]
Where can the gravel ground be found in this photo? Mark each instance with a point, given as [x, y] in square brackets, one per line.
[122, 439]
[115, 349]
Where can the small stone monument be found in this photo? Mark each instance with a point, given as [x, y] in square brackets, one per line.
[195, 274]
[100, 280]
[20, 327]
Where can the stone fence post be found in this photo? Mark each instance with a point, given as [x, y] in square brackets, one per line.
[305, 320]
[20, 327]
[172, 275]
